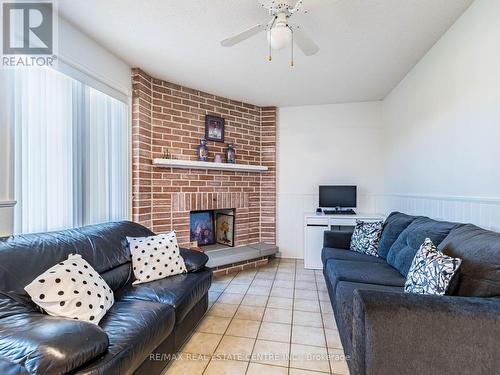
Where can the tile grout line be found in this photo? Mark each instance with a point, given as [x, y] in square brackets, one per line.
[205, 315]
[232, 318]
[323, 322]
[280, 268]
[293, 313]
[323, 328]
[262, 319]
[196, 326]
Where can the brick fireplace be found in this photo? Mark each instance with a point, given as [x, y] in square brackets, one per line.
[169, 116]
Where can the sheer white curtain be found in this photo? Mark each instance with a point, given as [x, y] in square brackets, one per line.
[71, 153]
[106, 165]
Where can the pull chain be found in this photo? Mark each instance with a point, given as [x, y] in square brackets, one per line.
[291, 48]
[270, 58]
[270, 49]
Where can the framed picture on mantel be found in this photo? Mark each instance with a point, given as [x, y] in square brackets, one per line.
[214, 128]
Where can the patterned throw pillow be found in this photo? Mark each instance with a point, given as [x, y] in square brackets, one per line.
[431, 271]
[366, 236]
[155, 257]
[72, 289]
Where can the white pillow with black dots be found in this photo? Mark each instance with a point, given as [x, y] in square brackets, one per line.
[155, 257]
[72, 289]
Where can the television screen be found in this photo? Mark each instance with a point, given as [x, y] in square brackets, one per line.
[337, 196]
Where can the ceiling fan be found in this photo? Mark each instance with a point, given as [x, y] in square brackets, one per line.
[280, 32]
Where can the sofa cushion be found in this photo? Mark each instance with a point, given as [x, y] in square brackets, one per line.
[134, 329]
[479, 249]
[343, 303]
[395, 223]
[180, 291]
[343, 254]
[362, 272]
[35, 343]
[409, 241]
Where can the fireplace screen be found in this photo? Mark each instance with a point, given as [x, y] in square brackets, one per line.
[210, 227]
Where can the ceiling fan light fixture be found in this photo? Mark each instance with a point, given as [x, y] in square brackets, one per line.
[280, 33]
[279, 37]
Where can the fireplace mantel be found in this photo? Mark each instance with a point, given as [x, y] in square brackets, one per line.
[194, 164]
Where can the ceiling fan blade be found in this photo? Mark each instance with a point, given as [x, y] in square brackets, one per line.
[303, 41]
[243, 35]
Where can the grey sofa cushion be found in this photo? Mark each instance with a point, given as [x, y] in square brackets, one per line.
[409, 241]
[343, 254]
[395, 223]
[479, 249]
[362, 272]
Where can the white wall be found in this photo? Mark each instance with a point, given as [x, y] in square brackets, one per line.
[77, 51]
[442, 149]
[89, 57]
[325, 144]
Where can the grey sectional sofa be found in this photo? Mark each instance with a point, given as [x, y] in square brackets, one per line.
[385, 331]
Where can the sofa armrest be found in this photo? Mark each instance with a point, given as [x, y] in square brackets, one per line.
[36, 343]
[396, 333]
[337, 239]
[194, 260]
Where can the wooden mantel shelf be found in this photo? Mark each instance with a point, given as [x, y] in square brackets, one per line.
[194, 164]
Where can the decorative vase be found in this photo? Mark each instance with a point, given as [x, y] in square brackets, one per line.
[231, 154]
[202, 150]
[218, 159]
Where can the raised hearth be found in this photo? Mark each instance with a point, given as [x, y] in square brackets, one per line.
[234, 255]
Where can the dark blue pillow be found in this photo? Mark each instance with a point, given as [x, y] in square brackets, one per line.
[403, 250]
[393, 226]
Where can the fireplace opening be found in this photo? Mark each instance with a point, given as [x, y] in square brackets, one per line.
[212, 227]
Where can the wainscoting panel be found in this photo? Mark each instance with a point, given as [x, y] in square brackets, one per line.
[6, 217]
[291, 210]
[484, 212]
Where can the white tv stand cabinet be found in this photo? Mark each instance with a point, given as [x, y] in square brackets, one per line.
[314, 227]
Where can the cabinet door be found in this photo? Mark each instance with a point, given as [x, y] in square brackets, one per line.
[313, 245]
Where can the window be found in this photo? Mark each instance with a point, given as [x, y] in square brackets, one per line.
[71, 153]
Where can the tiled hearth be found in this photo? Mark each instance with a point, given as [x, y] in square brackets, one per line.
[272, 320]
[169, 116]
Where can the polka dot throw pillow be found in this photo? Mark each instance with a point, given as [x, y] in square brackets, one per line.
[155, 257]
[72, 289]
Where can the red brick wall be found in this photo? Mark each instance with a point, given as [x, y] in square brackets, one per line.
[165, 115]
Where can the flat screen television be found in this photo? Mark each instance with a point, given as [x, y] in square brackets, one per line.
[337, 196]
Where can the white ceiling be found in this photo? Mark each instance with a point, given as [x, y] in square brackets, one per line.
[367, 46]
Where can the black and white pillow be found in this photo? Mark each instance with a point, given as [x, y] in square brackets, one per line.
[155, 257]
[366, 237]
[72, 289]
[431, 271]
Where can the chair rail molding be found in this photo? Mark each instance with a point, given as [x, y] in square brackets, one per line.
[455, 198]
[7, 203]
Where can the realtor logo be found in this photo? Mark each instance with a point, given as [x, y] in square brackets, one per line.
[28, 33]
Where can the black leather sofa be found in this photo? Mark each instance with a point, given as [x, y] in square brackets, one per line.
[146, 325]
[386, 331]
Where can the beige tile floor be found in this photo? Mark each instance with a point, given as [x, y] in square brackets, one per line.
[276, 319]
